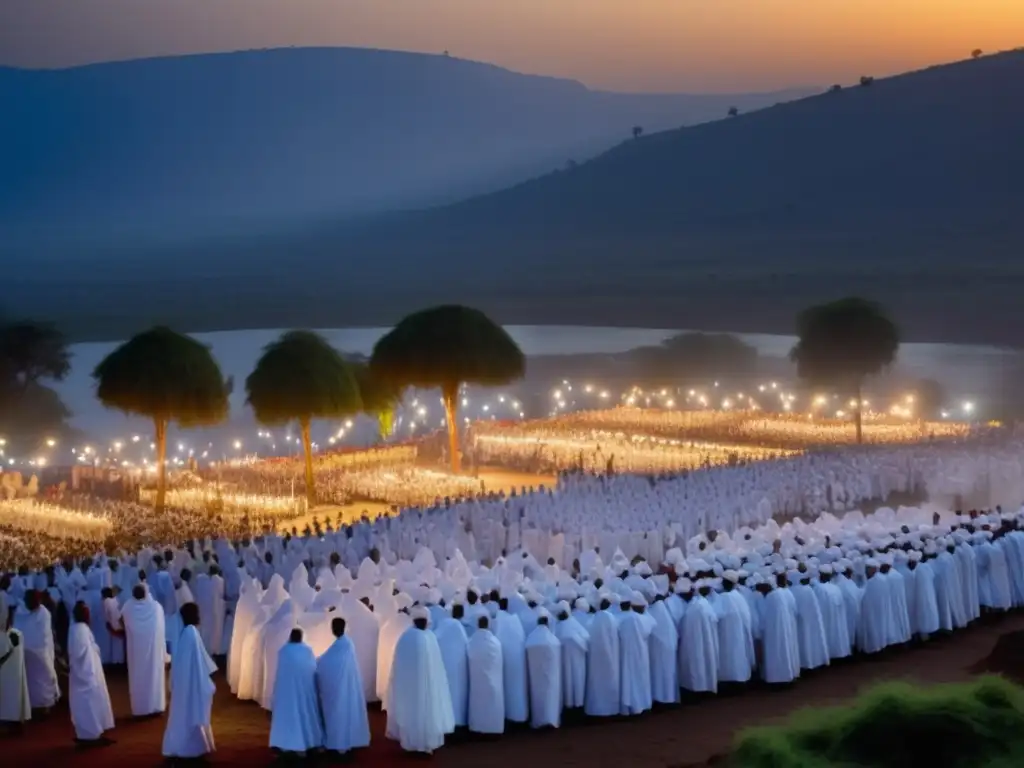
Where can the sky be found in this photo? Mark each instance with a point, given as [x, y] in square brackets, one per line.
[629, 45]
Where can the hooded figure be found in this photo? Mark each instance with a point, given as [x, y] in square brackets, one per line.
[188, 733]
[575, 640]
[544, 662]
[603, 672]
[14, 702]
[451, 639]
[342, 698]
[295, 724]
[486, 680]
[88, 698]
[143, 620]
[419, 700]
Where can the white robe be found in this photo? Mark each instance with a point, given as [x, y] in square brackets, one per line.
[780, 644]
[146, 646]
[342, 697]
[15, 706]
[603, 667]
[451, 639]
[37, 636]
[275, 637]
[295, 725]
[810, 628]
[833, 617]
[509, 631]
[698, 647]
[88, 698]
[419, 701]
[486, 683]
[189, 733]
[575, 640]
[390, 633]
[112, 621]
[544, 661]
[247, 610]
[663, 644]
[735, 637]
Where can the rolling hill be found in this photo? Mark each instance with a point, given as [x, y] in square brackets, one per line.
[260, 139]
[909, 190]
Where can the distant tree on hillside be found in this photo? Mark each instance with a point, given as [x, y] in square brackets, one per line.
[163, 376]
[380, 398]
[733, 112]
[841, 343]
[638, 131]
[835, 88]
[444, 348]
[977, 53]
[694, 358]
[866, 80]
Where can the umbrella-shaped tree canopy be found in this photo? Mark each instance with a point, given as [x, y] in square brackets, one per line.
[301, 377]
[167, 377]
[445, 347]
[380, 397]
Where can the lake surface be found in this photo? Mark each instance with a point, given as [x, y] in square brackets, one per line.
[966, 371]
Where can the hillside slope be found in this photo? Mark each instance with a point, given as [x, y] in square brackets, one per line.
[909, 191]
[269, 137]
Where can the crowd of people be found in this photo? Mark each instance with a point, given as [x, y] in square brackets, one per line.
[755, 427]
[541, 448]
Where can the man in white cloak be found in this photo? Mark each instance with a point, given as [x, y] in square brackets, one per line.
[295, 725]
[575, 640]
[635, 666]
[603, 665]
[452, 640]
[342, 698]
[143, 620]
[88, 698]
[509, 631]
[15, 706]
[419, 700]
[544, 662]
[189, 733]
[486, 681]
[33, 621]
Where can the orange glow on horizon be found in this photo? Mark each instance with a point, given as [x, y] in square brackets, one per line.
[666, 45]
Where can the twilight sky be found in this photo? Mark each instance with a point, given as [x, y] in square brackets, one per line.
[643, 45]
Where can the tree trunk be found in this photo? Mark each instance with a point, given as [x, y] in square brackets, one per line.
[857, 415]
[451, 415]
[307, 447]
[160, 433]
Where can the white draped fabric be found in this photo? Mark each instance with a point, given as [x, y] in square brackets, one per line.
[189, 733]
[88, 698]
[144, 634]
[342, 697]
[420, 705]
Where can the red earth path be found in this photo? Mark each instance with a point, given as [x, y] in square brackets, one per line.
[688, 735]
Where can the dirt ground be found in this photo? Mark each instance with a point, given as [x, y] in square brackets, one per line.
[688, 735]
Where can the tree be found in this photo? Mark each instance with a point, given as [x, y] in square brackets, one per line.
[734, 112]
[379, 398]
[694, 358]
[977, 53]
[638, 131]
[301, 377]
[866, 80]
[835, 88]
[929, 397]
[841, 343]
[166, 377]
[30, 354]
[446, 347]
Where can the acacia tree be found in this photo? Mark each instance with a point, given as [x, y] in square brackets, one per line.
[446, 347]
[166, 377]
[843, 342]
[301, 377]
[380, 398]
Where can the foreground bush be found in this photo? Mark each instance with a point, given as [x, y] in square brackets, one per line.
[899, 725]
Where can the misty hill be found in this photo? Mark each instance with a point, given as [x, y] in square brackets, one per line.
[909, 191]
[285, 135]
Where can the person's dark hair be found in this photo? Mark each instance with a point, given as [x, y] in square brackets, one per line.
[295, 636]
[542, 621]
[106, 592]
[338, 626]
[139, 592]
[458, 611]
[142, 575]
[503, 603]
[471, 596]
[31, 599]
[80, 613]
[419, 623]
[190, 615]
[186, 575]
[483, 622]
[605, 603]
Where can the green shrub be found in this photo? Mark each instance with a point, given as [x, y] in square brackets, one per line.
[899, 725]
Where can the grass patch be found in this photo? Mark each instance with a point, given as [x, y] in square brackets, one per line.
[898, 725]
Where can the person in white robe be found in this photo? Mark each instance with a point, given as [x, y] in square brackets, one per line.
[295, 724]
[419, 699]
[143, 620]
[391, 632]
[342, 697]
[15, 706]
[452, 640]
[876, 612]
[575, 640]
[275, 637]
[603, 664]
[33, 621]
[663, 644]
[698, 644]
[509, 631]
[810, 626]
[780, 646]
[88, 698]
[486, 680]
[210, 599]
[247, 609]
[833, 614]
[544, 663]
[189, 732]
[115, 629]
[635, 630]
[926, 621]
[735, 632]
